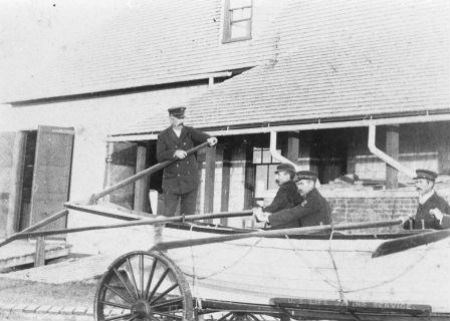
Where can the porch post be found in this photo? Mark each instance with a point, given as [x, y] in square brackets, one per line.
[392, 149]
[141, 202]
[210, 168]
[293, 146]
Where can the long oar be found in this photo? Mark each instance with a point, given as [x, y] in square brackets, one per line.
[153, 221]
[153, 169]
[20, 235]
[410, 241]
[273, 233]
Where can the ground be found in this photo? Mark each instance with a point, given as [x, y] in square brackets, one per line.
[66, 294]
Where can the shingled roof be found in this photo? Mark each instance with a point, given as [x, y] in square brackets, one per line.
[157, 42]
[338, 60]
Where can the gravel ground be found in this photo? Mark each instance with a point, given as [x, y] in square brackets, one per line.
[27, 292]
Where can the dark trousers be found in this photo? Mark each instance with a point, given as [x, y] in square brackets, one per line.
[187, 201]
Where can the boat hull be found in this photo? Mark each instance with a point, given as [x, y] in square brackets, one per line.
[342, 270]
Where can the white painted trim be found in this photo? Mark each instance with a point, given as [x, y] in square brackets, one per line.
[299, 127]
[277, 155]
[383, 156]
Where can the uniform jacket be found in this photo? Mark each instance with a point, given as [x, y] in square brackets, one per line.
[182, 176]
[423, 213]
[287, 196]
[445, 221]
[313, 210]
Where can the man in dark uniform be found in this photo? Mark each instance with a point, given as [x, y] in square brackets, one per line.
[428, 202]
[287, 195]
[180, 179]
[313, 209]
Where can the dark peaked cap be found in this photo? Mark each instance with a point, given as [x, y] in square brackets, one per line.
[427, 174]
[285, 167]
[177, 112]
[306, 175]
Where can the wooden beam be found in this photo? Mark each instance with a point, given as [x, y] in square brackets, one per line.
[210, 168]
[39, 256]
[15, 195]
[226, 167]
[293, 146]
[392, 149]
[141, 201]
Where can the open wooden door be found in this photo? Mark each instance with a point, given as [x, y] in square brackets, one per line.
[51, 177]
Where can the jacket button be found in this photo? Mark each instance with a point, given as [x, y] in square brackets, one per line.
[184, 144]
[178, 165]
[178, 174]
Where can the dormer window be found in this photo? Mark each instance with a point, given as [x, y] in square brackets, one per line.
[237, 20]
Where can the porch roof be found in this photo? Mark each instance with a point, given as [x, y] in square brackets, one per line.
[336, 63]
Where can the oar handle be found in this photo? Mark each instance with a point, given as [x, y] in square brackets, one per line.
[153, 169]
[273, 233]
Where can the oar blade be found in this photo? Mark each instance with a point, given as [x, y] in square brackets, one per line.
[408, 242]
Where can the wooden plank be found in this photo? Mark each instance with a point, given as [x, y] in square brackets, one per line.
[15, 196]
[210, 169]
[392, 149]
[355, 306]
[250, 172]
[39, 255]
[226, 168]
[141, 201]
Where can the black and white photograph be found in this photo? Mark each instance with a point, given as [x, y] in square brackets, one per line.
[225, 160]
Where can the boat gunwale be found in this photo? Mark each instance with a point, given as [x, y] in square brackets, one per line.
[227, 230]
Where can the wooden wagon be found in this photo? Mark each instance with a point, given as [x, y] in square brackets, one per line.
[210, 272]
[326, 276]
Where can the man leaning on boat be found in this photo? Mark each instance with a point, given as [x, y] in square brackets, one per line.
[312, 210]
[431, 208]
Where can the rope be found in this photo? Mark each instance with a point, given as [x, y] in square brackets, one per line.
[310, 266]
[195, 277]
[339, 286]
[399, 275]
[336, 271]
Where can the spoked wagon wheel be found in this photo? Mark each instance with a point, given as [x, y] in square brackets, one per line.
[240, 316]
[143, 286]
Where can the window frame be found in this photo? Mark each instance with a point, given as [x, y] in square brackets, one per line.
[226, 36]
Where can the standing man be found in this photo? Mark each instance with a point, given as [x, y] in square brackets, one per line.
[313, 209]
[428, 201]
[180, 179]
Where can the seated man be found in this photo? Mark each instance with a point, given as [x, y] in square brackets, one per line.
[428, 200]
[287, 195]
[313, 209]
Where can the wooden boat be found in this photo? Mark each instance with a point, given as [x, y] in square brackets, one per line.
[314, 277]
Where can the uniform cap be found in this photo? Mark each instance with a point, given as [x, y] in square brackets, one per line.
[306, 175]
[425, 173]
[285, 167]
[177, 112]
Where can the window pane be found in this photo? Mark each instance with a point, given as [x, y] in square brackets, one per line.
[260, 180]
[266, 158]
[257, 155]
[240, 3]
[238, 14]
[240, 29]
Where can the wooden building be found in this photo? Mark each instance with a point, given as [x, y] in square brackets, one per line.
[317, 74]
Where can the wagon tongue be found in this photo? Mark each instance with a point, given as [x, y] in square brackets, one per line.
[408, 242]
